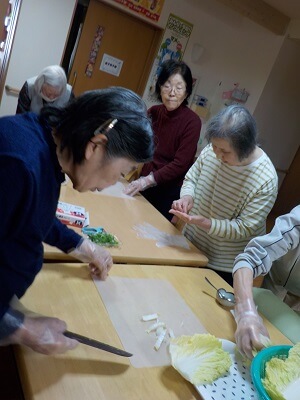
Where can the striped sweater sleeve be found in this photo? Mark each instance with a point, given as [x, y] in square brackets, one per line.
[261, 252]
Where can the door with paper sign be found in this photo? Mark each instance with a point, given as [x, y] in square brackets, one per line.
[115, 49]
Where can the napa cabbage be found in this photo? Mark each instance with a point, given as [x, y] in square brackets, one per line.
[281, 375]
[200, 358]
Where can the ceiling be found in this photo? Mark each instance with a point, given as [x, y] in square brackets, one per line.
[291, 8]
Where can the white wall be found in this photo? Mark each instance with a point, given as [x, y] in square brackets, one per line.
[235, 49]
[294, 29]
[277, 112]
[39, 41]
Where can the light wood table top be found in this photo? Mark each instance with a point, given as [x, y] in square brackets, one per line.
[67, 292]
[118, 216]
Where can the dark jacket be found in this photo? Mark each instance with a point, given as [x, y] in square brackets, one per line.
[30, 185]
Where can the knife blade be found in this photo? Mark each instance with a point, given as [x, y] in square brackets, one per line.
[95, 343]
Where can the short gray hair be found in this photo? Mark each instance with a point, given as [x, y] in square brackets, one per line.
[236, 125]
[53, 75]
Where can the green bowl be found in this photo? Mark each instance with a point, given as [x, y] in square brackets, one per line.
[258, 366]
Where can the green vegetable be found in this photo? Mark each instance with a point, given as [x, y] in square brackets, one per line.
[104, 239]
[199, 358]
[281, 373]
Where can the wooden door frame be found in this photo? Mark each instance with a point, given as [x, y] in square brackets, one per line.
[15, 11]
[150, 60]
[158, 34]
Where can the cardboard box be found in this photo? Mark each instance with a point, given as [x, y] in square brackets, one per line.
[71, 214]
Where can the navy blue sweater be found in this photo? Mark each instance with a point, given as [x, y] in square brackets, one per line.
[30, 179]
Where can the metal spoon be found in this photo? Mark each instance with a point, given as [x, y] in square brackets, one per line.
[223, 297]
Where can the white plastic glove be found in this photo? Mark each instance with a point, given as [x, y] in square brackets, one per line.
[184, 204]
[99, 259]
[42, 334]
[250, 333]
[143, 183]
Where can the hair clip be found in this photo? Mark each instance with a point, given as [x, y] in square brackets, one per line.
[106, 126]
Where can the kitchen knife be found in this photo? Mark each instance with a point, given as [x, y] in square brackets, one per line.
[97, 344]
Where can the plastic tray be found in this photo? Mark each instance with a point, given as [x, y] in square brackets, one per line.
[235, 385]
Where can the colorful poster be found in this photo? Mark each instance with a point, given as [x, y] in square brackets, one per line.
[173, 45]
[149, 8]
[94, 51]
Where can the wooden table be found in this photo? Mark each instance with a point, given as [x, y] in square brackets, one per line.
[66, 291]
[118, 216]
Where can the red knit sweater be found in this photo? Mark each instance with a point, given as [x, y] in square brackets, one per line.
[176, 135]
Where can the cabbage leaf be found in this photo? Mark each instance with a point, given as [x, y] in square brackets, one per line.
[279, 374]
[199, 358]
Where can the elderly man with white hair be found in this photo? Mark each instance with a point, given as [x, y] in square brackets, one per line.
[49, 87]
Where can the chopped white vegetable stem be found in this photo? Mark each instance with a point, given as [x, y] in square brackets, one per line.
[171, 333]
[160, 339]
[149, 317]
[154, 326]
[159, 331]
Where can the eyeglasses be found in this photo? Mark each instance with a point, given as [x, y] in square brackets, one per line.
[167, 88]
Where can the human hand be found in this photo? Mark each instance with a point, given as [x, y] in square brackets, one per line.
[184, 204]
[43, 335]
[251, 333]
[99, 259]
[199, 220]
[143, 183]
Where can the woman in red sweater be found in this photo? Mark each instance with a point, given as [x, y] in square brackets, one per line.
[177, 131]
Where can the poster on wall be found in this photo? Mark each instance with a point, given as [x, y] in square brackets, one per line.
[94, 51]
[173, 45]
[149, 8]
